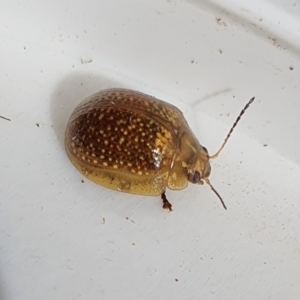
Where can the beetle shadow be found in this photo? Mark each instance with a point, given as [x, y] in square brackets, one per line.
[72, 90]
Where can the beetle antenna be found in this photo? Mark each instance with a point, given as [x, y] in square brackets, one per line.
[230, 132]
[213, 189]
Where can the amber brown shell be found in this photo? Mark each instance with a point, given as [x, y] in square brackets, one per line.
[124, 140]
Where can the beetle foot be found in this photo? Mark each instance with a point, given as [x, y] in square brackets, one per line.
[166, 203]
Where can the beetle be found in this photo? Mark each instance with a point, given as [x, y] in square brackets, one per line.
[131, 142]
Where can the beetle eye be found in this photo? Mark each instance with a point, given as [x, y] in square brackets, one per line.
[194, 177]
[205, 150]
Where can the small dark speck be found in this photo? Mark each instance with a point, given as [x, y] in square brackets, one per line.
[221, 51]
[37, 125]
[108, 259]
[133, 244]
[176, 279]
[86, 61]
[130, 220]
[24, 47]
[291, 68]
[220, 22]
[82, 180]
[192, 61]
[5, 118]
[265, 145]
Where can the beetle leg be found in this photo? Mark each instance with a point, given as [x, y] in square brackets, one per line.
[166, 203]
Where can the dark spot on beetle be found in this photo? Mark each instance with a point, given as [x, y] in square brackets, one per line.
[129, 120]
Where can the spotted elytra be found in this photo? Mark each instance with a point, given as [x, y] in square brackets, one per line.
[134, 143]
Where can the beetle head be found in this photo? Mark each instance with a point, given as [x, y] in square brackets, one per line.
[200, 171]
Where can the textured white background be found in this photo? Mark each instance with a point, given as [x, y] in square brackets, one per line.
[64, 239]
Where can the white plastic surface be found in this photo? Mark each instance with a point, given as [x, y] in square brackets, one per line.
[64, 239]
